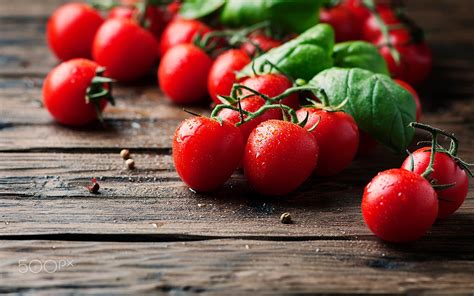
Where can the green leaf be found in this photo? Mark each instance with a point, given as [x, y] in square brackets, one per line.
[359, 54]
[302, 57]
[292, 16]
[380, 106]
[193, 9]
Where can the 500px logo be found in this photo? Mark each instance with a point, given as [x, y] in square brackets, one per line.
[48, 265]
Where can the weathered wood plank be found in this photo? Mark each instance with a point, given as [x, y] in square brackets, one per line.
[235, 267]
[45, 193]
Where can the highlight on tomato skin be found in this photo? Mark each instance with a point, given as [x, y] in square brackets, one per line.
[206, 152]
[399, 205]
[64, 27]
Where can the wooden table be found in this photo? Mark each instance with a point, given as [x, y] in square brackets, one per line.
[146, 232]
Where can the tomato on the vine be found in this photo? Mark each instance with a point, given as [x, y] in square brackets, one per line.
[399, 205]
[71, 29]
[371, 30]
[413, 92]
[183, 72]
[70, 94]
[125, 49]
[415, 57]
[337, 135]
[272, 85]
[206, 152]
[181, 31]
[279, 157]
[446, 171]
[264, 43]
[222, 74]
[250, 104]
[341, 18]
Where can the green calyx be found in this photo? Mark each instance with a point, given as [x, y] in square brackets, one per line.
[99, 89]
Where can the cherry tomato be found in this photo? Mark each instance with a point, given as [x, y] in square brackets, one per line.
[399, 205]
[125, 49]
[272, 85]
[250, 104]
[182, 74]
[359, 12]
[65, 90]
[341, 18]
[337, 135]
[446, 171]
[279, 157]
[371, 30]
[181, 31]
[206, 152]
[264, 42]
[415, 58]
[71, 30]
[413, 92]
[222, 73]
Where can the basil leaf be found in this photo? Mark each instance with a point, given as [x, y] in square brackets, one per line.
[380, 106]
[292, 16]
[193, 9]
[359, 54]
[302, 57]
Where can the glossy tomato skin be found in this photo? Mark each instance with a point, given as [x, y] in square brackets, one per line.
[399, 205]
[222, 74]
[264, 42]
[125, 49]
[360, 13]
[64, 92]
[183, 72]
[250, 104]
[409, 88]
[272, 85]
[71, 29]
[206, 153]
[341, 18]
[371, 30]
[181, 31]
[446, 171]
[126, 12]
[415, 58]
[279, 157]
[337, 135]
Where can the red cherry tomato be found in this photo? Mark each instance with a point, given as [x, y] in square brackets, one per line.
[206, 153]
[415, 58]
[65, 89]
[399, 205]
[446, 171]
[250, 104]
[413, 92]
[359, 12]
[272, 85]
[341, 18]
[337, 135]
[264, 42]
[181, 31]
[371, 30]
[222, 73]
[279, 157]
[125, 49]
[71, 30]
[126, 12]
[183, 72]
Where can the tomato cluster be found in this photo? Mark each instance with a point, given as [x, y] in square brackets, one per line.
[258, 123]
[407, 54]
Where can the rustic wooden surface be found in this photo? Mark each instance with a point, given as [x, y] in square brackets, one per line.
[147, 233]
